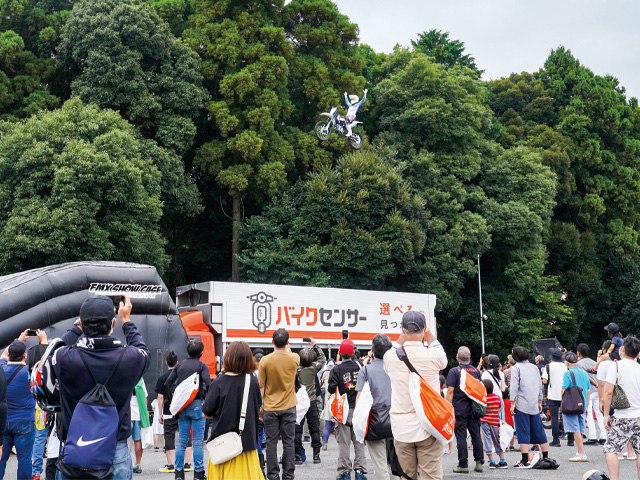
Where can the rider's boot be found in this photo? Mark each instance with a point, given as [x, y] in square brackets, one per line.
[348, 129]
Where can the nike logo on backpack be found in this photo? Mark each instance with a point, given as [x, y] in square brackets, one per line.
[82, 443]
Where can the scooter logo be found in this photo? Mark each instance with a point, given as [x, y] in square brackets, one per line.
[261, 310]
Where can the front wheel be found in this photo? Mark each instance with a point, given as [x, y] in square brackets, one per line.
[356, 141]
[323, 131]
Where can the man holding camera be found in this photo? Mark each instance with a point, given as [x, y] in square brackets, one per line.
[91, 352]
[21, 408]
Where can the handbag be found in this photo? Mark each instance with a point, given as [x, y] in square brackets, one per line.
[229, 445]
[619, 401]
[572, 399]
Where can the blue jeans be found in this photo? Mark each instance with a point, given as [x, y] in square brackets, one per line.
[191, 418]
[20, 434]
[329, 427]
[122, 466]
[38, 450]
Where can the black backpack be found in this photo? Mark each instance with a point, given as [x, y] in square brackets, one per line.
[546, 464]
[572, 399]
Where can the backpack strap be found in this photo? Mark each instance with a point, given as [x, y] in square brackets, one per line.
[13, 375]
[402, 355]
[112, 371]
[245, 399]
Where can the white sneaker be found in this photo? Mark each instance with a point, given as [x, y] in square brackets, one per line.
[579, 458]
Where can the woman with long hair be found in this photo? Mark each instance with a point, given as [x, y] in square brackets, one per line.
[223, 404]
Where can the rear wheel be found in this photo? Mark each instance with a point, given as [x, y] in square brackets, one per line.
[356, 141]
[323, 131]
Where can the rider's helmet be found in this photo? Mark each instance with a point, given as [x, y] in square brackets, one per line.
[354, 99]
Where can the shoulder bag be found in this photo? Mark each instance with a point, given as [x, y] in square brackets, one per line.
[619, 401]
[229, 445]
[572, 399]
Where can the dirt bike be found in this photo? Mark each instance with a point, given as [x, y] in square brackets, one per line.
[324, 129]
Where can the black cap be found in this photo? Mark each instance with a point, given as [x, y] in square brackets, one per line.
[414, 321]
[612, 328]
[97, 308]
[555, 354]
[17, 349]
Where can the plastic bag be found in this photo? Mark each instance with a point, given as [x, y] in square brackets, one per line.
[303, 404]
[360, 419]
[146, 437]
[435, 414]
[473, 388]
[185, 393]
[326, 411]
[506, 435]
[340, 408]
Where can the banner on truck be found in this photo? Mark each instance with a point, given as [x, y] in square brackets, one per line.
[252, 312]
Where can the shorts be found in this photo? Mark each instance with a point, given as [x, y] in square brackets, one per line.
[136, 428]
[573, 423]
[623, 430]
[170, 429]
[529, 429]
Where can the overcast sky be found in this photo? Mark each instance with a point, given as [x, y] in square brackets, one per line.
[506, 36]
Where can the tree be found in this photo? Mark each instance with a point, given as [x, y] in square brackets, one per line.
[121, 55]
[354, 226]
[244, 62]
[78, 184]
[448, 52]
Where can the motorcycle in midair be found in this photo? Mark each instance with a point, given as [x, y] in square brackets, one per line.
[337, 123]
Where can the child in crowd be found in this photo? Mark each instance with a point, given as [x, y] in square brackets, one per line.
[491, 427]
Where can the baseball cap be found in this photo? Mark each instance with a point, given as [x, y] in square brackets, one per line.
[571, 357]
[414, 321]
[346, 347]
[612, 328]
[17, 349]
[97, 308]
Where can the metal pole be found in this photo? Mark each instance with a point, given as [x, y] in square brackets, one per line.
[481, 315]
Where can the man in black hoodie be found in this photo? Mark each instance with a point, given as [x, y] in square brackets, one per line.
[102, 352]
[344, 378]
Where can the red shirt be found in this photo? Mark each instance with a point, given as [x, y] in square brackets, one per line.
[493, 410]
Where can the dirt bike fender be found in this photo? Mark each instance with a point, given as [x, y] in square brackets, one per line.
[326, 114]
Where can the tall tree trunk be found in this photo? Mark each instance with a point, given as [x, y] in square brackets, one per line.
[235, 238]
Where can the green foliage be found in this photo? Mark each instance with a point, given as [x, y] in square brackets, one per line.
[354, 226]
[78, 184]
[448, 52]
[121, 55]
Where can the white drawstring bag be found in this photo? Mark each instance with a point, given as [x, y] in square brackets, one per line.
[304, 403]
[360, 420]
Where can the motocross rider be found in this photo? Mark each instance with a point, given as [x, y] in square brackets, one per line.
[354, 103]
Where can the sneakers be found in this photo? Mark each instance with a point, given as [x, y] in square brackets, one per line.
[324, 447]
[579, 458]
[137, 469]
[460, 469]
[522, 465]
[179, 475]
[156, 449]
[555, 443]
[299, 460]
[188, 467]
[360, 475]
[492, 464]
[167, 469]
[199, 475]
[344, 476]
[478, 467]
[503, 464]
[591, 441]
[316, 458]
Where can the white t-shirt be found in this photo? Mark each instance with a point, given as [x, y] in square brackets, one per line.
[603, 368]
[556, 372]
[496, 387]
[627, 375]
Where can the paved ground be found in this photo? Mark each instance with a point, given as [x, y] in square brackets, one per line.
[151, 461]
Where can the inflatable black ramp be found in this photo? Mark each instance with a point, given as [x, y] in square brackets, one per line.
[49, 298]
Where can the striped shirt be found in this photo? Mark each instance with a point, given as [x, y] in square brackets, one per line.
[493, 410]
